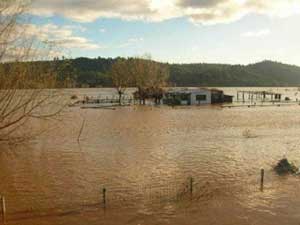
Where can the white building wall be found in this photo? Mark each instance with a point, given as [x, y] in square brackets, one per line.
[194, 94]
[184, 102]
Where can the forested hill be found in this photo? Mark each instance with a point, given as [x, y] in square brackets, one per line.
[95, 73]
[266, 73]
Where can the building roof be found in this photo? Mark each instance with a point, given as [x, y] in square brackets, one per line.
[191, 90]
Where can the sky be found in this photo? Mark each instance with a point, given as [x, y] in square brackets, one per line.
[174, 31]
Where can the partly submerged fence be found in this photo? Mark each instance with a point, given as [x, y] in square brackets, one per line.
[115, 198]
[110, 198]
[150, 194]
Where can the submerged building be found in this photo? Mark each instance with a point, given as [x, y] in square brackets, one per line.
[195, 96]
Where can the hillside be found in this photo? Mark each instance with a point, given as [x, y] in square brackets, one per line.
[95, 73]
[266, 73]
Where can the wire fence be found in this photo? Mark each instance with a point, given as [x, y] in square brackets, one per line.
[188, 191]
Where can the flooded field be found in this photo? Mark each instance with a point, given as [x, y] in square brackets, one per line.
[145, 156]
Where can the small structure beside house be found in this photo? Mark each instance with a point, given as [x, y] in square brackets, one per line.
[195, 96]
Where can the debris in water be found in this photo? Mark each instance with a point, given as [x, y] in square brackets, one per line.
[74, 97]
[285, 167]
[248, 134]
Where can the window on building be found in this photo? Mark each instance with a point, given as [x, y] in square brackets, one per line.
[201, 97]
[184, 97]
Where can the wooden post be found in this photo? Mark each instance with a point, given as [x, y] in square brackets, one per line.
[262, 175]
[3, 209]
[191, 186]
[104, 196]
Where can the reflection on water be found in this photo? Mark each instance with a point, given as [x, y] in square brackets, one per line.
[144, 157]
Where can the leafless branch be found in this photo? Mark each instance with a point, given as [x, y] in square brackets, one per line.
[27, 88]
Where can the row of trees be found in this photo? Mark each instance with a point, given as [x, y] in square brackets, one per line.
[148, 76]
[87, 72]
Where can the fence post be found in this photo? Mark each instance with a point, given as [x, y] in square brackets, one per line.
[3, 209]
[262, 175]
[104, 196]
[191, 185]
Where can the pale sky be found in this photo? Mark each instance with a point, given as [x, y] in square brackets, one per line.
[181, 31]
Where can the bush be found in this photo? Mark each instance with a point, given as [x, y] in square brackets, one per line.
[285, 167]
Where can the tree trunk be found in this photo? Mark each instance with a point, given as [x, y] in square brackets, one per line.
[120, 98]
[140, 95]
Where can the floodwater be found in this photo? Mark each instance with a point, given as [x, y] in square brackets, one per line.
[145, 156]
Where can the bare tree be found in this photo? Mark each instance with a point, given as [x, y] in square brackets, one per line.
[121, 77]
[159, 75]
[149, 77]
[26, 87]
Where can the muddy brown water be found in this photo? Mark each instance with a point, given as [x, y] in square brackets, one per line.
[144, 157]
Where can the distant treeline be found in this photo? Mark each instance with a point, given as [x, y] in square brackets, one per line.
[86, 72]
[266, 73]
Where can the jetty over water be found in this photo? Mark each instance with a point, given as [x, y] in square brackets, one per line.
[258, 95]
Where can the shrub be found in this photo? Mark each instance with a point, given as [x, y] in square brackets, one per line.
[285, 167]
